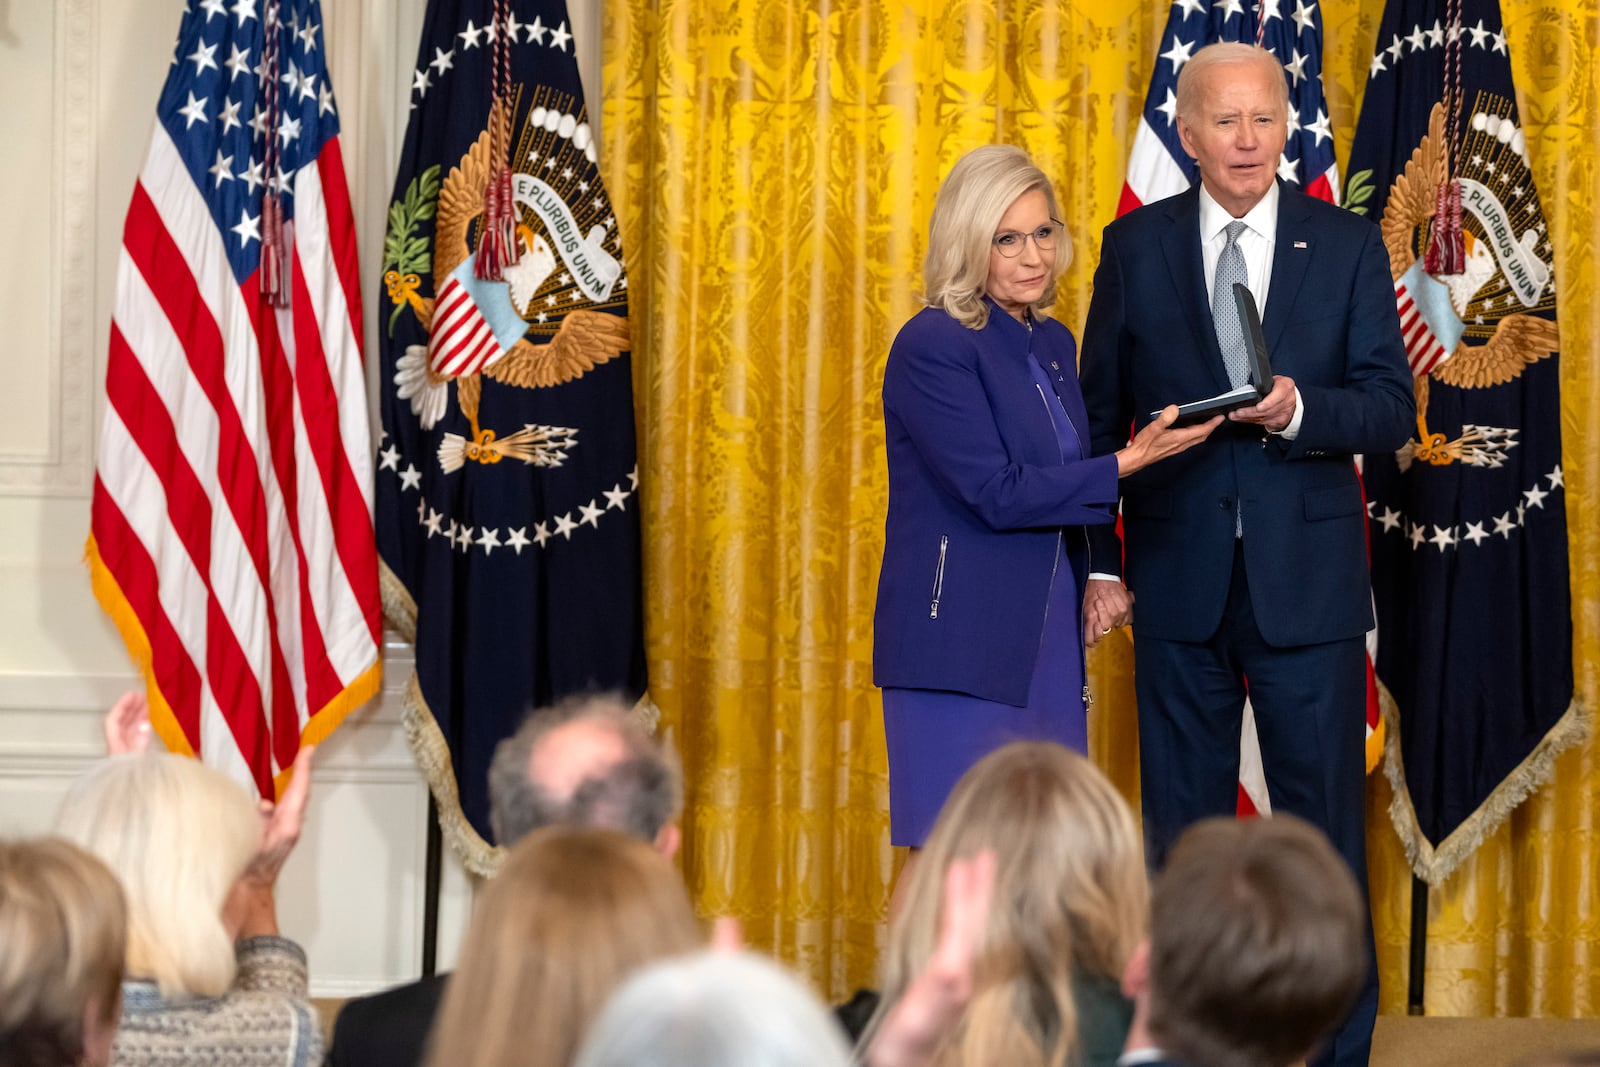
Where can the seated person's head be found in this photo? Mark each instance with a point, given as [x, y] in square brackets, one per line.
[714, 1009]
[1070, 899]
[1257, 943]
[178, 835]
[572, 912]
[62, 930]
[588, 761]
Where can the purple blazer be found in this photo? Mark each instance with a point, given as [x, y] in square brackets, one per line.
[979, 490]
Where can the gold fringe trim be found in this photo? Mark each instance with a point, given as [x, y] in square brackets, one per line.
[1434, 863]
[318, 727]
[399, 609]
[115, 604]
[1375, 744]
[432, 754]
[321, 725]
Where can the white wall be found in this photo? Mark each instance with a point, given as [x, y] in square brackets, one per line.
[78, 87]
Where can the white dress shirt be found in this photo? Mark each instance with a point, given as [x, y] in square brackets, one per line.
[1257, 243]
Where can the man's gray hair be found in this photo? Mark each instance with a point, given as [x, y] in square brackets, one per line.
[638, 795]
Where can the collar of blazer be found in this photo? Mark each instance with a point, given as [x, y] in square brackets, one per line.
[1292, 249]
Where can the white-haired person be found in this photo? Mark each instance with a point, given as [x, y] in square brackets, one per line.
[714, 1009]
[979, 634]
[63, 927]
[1069, 909]
[209, 979]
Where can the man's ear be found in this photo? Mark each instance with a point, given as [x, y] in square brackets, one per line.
[668, 838]
[1183, 138]
[1136, 975]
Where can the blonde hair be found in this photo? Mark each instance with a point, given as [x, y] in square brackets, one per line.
[63, 924]
[972, 199]
[1224, 54]
[178, 834]
[1071, 896]
[572, 913]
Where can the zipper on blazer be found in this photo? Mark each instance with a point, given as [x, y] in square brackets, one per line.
[938, 576]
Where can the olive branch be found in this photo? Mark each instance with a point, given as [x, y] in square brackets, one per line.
[404, 250]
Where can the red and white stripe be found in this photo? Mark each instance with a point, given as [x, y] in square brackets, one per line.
[1424, 350]
[232, 533]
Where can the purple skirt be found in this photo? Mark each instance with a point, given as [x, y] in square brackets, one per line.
[934, 736]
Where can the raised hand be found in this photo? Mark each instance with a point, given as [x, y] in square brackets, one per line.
[127, 725]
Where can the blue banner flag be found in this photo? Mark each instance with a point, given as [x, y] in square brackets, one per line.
[507, 493]
[1468, 521]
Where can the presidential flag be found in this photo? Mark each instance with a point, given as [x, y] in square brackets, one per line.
[1158, 167]
[231, 534]
[508, 509]
[1468, 522]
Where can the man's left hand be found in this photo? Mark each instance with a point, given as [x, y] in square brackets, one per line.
[1276, 409]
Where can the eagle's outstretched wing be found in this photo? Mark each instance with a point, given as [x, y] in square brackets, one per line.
[460, 201]
[1518, 341]
[585, 340]
[1413, 196]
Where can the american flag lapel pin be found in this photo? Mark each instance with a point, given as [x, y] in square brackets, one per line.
[1299, 244]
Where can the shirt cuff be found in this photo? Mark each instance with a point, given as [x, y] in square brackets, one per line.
[1291, 431]
[1101, 576]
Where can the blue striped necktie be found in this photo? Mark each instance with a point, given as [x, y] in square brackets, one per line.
[1225, 313]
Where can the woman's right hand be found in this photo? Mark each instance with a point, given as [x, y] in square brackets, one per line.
[1160, 439]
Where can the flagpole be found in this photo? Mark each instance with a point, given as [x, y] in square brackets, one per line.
[1419, 944]
[431, 865]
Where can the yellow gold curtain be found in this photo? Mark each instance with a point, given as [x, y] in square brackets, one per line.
[773, 163]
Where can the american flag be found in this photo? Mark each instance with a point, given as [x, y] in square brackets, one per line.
[231, 537]
[1158, 167]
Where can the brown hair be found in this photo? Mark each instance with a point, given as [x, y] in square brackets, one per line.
[1070, 897]
[63, 923]
[571, 914]
[1257, 943]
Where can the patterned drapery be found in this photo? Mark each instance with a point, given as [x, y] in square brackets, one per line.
[773, 164]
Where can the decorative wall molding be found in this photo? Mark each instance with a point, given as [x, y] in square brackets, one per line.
[67, 465]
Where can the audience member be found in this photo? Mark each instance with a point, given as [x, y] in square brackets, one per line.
[1068, 910]
[1257, 947]
[585, 762]
[572, 913]
[63, 928]
[714, 1009]
[209, 979]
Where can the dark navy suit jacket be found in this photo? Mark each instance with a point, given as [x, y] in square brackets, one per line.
[1330, 324]
[979, 490]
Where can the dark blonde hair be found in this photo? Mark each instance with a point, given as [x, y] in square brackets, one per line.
[1257, 942]
[63, 923]
[571, 914]
[1071, 896]
[972, 200]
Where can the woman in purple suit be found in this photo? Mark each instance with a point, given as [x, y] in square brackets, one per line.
[978, 635]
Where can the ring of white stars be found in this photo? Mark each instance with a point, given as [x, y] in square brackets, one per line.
[1423, 38]
[429, 73]
[467, 539]
[1458, 535]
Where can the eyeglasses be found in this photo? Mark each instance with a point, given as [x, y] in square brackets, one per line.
[1009, 243]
